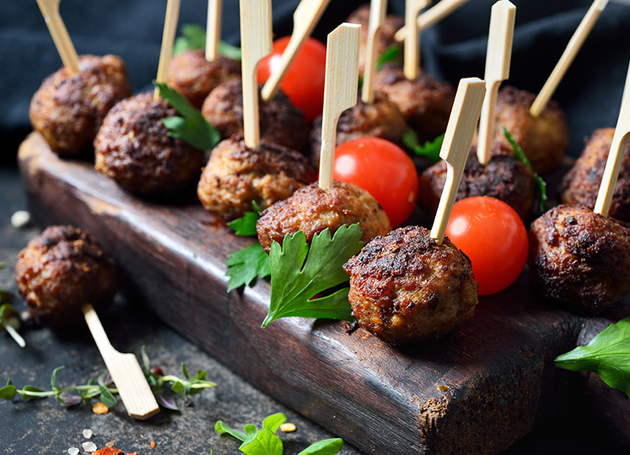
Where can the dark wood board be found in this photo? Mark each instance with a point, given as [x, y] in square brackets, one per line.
[498, 369]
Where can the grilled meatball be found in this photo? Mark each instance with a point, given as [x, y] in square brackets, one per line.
[579, 259]
[194, 77]
[133, 148]
[425, 102]
[404, 287]
[281, 123]
[504, 178]
[544, 139]
[62, 269]
[385, 37]
[312, 210]
[69, 109]
[380, 119]
[236, 176]
[581, 184]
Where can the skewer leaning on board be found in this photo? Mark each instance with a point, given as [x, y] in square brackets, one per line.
[59, 33]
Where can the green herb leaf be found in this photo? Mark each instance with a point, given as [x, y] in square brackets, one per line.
[177, 387]
[53, 379]
[2, 265]
[266, 442]
[194, 129]
[194, 37]
[430, 149]
[520, 155]
[393, 54]
[29, 392]
[222, 428]
[250, 431]
[229, 51]
[324, 447]
[146, 363]
[607, 355]
[274, 421]
[8, 392]
[245, 225]
[245, 265]
[184, 371]
[294, 282]
[106, 397]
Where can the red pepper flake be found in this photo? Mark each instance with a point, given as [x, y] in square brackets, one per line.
[153, 444]
[107, 451]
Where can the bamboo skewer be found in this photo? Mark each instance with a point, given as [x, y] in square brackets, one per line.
[340, 91]
[457, 140]
[305, 18]
[497, 70]
[617, 147]
[213, 29]
[168, 38]
[431, 16]
[411, 66]
[378, 8]
[569, 54]
[59, 34]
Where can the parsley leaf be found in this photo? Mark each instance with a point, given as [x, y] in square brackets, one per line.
[607, 355]
[520, 155]
[193, 128]
[294, 282]
[324, 447]
[246, 225]
[393, 54]
[265, 442]
[430, 149]
[245, 265]
[194, 37]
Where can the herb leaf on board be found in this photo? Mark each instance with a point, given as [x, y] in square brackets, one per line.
[245, 265]
[324, 447]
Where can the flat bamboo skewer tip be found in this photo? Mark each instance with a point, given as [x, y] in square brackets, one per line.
[569, 54]
[168, 38]
[456, 146]
[498, 59]
[378, 8]
[59, 34]
[213, 29]
[305, 18]
[432, 16]
[617, 147]
[411, 65]
[124, 369]
[340, 91]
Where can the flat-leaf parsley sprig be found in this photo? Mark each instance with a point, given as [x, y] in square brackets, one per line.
[430, 149]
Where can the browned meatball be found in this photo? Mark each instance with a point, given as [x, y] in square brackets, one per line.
[69, 109]
[236, 176]
[504, 178]
[312, 210]
[380, 119]
[62, 269]
[579, 259]
[133, 147]
[544, 139]
[280, 121]
[405, 287]
[385, 38]
[194, 77]
[581, 184]
[425, 102]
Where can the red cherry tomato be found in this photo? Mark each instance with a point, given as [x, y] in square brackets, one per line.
[384, 170]
[304, 81]
[493, 236]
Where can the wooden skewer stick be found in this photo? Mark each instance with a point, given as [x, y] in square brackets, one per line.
[125, 371]
[340, 91]
[305, 18]
[168, 38]
[255, 44]
[498, 58]
[575, 43]
[411, 67]
[456, 145]
[59, 33]
[378, 8]
[213, 29]
[617, 147]
[431, 16]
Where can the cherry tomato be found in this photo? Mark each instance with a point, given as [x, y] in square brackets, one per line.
[384, 170]
[304, 81]
[493, 236]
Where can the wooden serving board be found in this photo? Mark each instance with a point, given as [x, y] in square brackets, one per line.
[475, 391]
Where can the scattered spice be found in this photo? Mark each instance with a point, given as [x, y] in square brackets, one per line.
[153, 444]
[107, 451]
[99, 408]
[89, 446]
[443, 388]
[73, 451]
[87, 433]
[288, 428]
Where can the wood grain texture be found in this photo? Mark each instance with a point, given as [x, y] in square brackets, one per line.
[475, 391]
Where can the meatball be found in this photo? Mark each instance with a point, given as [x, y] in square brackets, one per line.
[194, 77]
[579, 259]
[504, 178]
[379, 119]
[544, 139]
[62, 269]
[281, 122]
[312, 210]
[133, 147]
[68, 109]
[581, 184]
[236, 176]
[385, 37]
[425, 102]
[405, 287]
